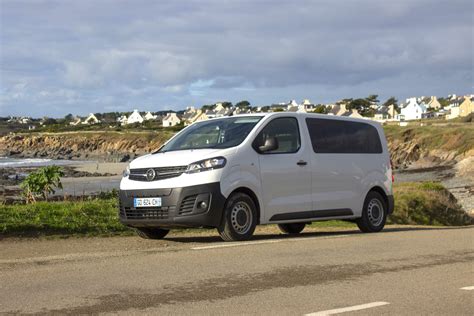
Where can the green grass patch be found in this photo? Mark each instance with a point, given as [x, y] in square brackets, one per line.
[90, 217]
[426, 203]
[420, 203]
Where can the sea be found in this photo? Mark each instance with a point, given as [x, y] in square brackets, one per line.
[7, 162]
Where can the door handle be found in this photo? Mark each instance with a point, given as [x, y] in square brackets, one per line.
[301, 163]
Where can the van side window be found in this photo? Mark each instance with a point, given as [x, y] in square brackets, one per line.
[286, 132]
[343, 137]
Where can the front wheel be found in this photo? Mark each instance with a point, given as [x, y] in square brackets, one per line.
[239, 218]
[374, 213]
[292, 229]
[152, 233]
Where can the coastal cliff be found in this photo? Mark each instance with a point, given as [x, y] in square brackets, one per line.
[417, 147]
[430, 146]
[102, 146]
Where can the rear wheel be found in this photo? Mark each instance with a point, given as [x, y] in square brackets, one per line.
[292, 229]
[239, 218]
[374, 213]
[152, 233]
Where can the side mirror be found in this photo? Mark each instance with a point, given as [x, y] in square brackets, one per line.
[271, 143]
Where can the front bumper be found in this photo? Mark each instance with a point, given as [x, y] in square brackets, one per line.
[181, 207]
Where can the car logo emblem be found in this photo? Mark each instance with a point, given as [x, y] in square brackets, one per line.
[150, 174]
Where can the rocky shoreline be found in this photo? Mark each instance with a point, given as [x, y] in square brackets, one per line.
[99, 146]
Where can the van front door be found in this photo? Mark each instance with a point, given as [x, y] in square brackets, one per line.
[285, 170]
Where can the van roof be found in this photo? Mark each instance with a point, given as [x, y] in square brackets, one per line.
[294, 114]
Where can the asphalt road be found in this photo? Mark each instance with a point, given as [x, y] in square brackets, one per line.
[408, 271]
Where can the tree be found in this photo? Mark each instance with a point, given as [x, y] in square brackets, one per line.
[227, 104]
[362, 106]
[391, 101]
[42, 182]
[69, 117]
[444, 102]
[206, 107]
[373, 98]
[320, 108]
[344, 101]
[99, 116]
[49, 121]
[243, 104]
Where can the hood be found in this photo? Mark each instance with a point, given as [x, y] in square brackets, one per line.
[177, 158]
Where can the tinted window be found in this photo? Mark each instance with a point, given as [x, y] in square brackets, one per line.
[285, 130]
[343, 137]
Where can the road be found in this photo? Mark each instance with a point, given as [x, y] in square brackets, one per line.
[401, 271]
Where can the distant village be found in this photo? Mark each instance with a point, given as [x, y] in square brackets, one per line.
[415, 108]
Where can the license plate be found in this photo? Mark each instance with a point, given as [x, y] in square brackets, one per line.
[147, 202]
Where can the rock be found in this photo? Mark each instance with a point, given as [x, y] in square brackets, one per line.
[125, 158]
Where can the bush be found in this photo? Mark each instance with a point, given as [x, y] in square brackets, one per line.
[42, 182]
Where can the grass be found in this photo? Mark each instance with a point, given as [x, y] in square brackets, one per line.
[90, 217]
[425, 203]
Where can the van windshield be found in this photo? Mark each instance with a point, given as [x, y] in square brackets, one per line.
[220, 133]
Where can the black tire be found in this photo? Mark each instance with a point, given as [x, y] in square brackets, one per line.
[239, 218]
[374, 213]
[152, 233]
[292, 229]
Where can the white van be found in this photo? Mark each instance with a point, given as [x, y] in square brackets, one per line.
[236, 172]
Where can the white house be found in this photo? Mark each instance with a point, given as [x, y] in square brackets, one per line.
[338, 109]
[453, 112]
[122, 120]
[292, 106]
[24, 120]
[135, 117]
[76, 121]
[90, 120]
[434, 103]
[412, 110]
[353, 113]
[21, 120]
[385, 113]
[171, 119]
[189, 114]
[148, 116]
[218, 111]
[301, 108]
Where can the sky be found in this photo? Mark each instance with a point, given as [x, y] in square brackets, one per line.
[60, 57]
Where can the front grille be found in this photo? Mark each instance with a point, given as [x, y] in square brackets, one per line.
[146, 213]
[160, 173]
[187, 205]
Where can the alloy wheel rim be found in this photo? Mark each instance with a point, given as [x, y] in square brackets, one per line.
[375, 212]
[241, 218]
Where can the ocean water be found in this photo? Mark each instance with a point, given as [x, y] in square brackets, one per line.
[7, 162]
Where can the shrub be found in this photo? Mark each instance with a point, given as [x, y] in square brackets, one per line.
[42, 182]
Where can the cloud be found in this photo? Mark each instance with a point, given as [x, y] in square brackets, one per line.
[108, 54]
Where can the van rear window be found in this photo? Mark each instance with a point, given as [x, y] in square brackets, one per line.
[343, 137]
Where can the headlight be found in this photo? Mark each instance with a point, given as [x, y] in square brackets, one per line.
[208, 164]
[126, 172]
